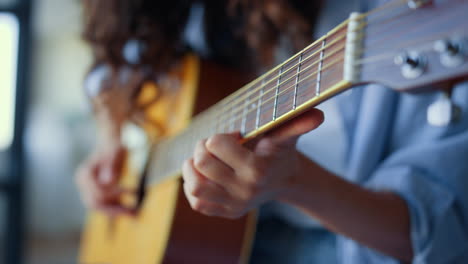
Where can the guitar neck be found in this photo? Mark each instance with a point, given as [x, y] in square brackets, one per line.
[305, 80]
[344, 57]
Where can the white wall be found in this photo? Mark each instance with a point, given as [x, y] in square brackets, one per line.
[59, 131]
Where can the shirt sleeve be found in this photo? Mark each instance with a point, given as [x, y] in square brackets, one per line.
[430, 173]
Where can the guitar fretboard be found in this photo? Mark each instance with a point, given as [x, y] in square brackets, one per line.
[305, 80]
[363, 49]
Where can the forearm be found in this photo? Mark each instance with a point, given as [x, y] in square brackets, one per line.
[379, 220]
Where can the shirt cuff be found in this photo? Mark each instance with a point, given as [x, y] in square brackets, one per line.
[437, 234]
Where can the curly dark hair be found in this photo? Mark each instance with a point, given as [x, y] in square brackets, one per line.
[239, 33]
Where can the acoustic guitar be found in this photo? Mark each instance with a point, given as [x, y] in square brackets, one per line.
[403, 44]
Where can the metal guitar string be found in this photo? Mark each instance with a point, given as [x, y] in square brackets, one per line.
[240, 97]
[237, 97]
[334, 52]
[384, 7]
[288, 89]
[234, 97]
[245, 89]
[367, 60]
[235, 100]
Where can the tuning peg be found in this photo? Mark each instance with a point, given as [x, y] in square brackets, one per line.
[405, 59]
[452, 52]
[412, 64]
[415, 4]
[444, 45]
[443, 111]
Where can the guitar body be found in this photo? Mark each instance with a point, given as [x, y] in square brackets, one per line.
[166, 229]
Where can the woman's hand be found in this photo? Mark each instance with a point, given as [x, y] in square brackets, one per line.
[98, 177]
[112, 95]
[227, 179]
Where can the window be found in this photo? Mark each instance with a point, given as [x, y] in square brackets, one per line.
[9, 31]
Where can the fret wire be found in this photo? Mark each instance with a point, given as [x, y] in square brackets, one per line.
[215, 119]
[214, 127]
[207, 117]
[328, 65]
[333, 52]
[278, 83]
[329, 55]
[297, 82]
[257, 120]
[227, 117]
[270, 99]
[244, 116]
[219, 119]
[319, 71]
[231, 126]
[168, 168]
[219, 123]
[333, 63]
[223, 125]
[245, 91]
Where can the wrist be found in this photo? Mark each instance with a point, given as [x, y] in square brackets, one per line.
[306, 184]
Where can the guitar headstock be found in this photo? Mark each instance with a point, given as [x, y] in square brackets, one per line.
[415, 45]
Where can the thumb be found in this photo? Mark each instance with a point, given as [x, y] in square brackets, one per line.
[291, 130]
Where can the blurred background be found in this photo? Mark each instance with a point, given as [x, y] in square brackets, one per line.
[45, 130]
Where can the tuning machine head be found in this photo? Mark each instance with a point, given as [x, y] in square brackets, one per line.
[443, 111]
[412, 64]
[415, 4]
[452, 51]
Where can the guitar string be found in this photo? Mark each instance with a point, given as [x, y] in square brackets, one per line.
[271, 71]
[239, 97]
[289, 70]
[418, 24]
[236, 118]
[246, 91]
[384, 7]
[232, 115]
[371, 12]
[402, 45]
[238, 100]
[363, 61]
[423, 47]
[309, 67]
[387, 5]
[430, 38]
[367, 60]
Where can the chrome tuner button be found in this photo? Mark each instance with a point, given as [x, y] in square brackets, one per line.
[415, 4]
[412, 64]
[452, 52]
[443, 112]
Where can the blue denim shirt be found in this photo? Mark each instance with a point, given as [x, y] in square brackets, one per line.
[392, 147]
